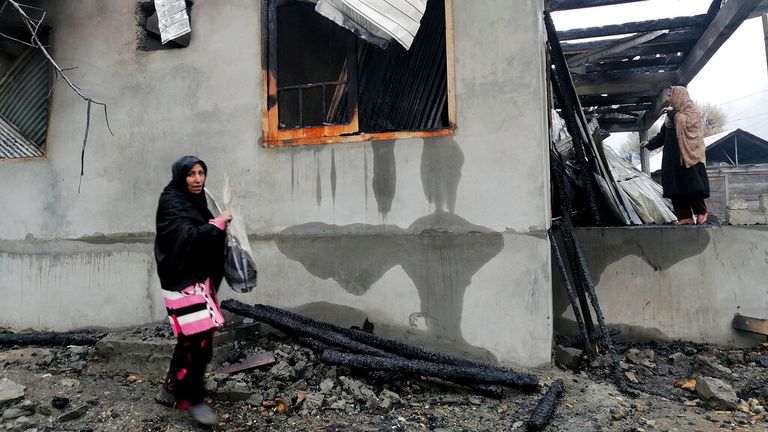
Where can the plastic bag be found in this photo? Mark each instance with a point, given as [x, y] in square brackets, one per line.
[239, 267]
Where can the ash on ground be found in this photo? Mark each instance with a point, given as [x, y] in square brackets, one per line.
[683, 387]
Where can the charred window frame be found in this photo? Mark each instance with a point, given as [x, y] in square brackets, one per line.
[370, 93]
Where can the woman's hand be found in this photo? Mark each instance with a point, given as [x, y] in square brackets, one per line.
[226, 216]
[643, 144]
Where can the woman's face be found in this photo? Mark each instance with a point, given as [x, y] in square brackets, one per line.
[196, 179]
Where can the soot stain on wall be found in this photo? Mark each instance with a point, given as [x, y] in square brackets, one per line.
[384, 181]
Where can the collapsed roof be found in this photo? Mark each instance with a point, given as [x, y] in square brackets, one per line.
[620, 70]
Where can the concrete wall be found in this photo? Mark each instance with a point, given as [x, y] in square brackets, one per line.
[378, 229]
[672, 283]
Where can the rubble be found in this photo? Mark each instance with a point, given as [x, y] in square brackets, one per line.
[49, 339]
[299, 392]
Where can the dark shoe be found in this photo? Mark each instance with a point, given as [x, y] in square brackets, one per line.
[688, 221]
[165, 397]
[204, 414]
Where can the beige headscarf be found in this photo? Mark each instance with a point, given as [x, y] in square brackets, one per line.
[689, 127]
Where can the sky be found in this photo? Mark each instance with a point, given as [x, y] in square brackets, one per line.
[735, 79]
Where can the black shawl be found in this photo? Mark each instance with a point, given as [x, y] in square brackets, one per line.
[188, 249]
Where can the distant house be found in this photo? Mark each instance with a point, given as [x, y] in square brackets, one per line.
[737, 163]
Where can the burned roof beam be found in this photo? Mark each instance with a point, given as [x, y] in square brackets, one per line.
[619, 73]
[617, 46]
[634, 27]
[622, 109]
[730, 17]
[653, 50]
[689, 35]
[611, 66]
[618, 99]
[653, 113]
[630, 84]
[614, 125]
[561, 5]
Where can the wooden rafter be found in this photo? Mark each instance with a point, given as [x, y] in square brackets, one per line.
[673, 37]
[560, 5]
[617, 46]
[631, 84]
[730, 17]
[634, 27]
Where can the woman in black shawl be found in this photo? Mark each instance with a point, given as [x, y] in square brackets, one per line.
[189, 250]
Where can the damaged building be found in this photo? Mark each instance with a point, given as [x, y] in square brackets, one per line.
[391, 165]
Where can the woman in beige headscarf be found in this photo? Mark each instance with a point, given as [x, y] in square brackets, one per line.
[683, 171]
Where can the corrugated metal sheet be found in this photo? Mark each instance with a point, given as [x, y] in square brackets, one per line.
[24, 96]
[407, 90]
[14, 145]
[388, 19]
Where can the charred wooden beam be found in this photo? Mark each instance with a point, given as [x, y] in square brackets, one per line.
[654, 112]
[286, 324]
[598, 77]
[578, 340]
[622, 109]
[632, 84]
[673, 37]
[49, 339]
[571, 293]
[449, 372]
[322, 336]
[561, 5]
[617, 46]
[634, 65]
[635, 27]
[619, 125]
[544, 410]
[569, 103]
[389, 345]
[728, 19]
[618, 99]
[558, 173]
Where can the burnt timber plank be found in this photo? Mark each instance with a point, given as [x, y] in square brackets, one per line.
[653, 114]
[612, 66]
[250, 362]
[635, 27]
[612, 75]
[632, 84]
[676, 36]
[561, 5]
[615, 47]
[624, 99]
[750, 324]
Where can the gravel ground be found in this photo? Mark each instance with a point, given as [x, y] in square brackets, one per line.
[78, 389]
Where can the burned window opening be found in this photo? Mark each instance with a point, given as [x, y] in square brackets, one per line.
[148, 29]
[25, 85]
[325, 82]
[317, 64]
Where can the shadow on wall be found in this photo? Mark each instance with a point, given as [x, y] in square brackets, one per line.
[440, 263]
[660, 247]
